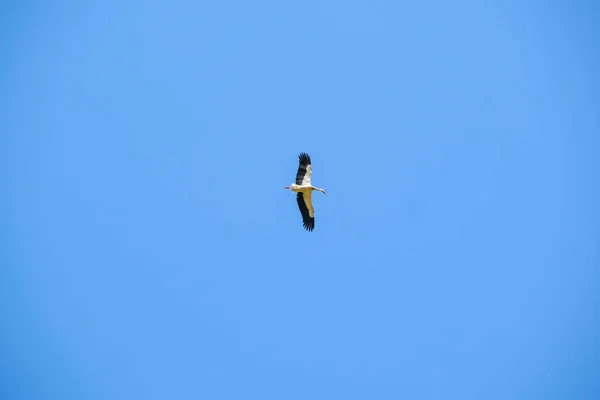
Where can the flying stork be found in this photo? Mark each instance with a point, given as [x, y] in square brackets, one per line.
[304, 190]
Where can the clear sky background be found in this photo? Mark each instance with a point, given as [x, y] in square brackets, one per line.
[149, 250]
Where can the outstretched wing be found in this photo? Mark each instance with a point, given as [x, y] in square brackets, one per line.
[306, 209]
[304, 170]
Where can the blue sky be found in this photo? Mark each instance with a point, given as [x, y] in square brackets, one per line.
[149, 250]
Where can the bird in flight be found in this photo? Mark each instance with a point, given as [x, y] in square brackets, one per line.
[304, 189]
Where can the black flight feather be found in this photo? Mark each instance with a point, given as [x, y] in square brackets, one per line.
[304, 160]
[307, 221]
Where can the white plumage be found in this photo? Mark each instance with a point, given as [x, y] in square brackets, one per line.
[304, 189]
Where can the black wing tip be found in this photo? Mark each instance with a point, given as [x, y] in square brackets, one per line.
[309, 225]
[304, 158]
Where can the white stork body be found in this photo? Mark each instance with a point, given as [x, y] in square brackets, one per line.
[304, 189]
